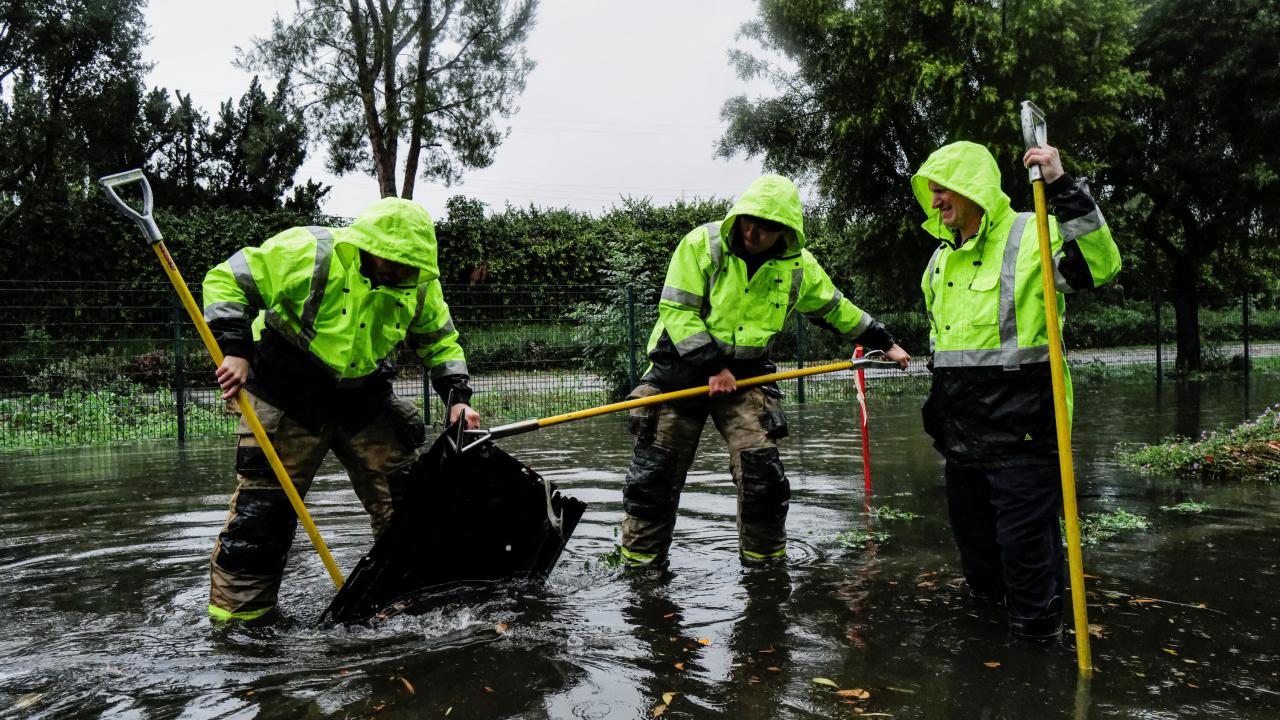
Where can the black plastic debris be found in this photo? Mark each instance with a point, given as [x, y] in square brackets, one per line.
[470, 518]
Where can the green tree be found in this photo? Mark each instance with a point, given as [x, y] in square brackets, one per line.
[866, 90]
[255, 148]
[433, 76]
[1201, 167]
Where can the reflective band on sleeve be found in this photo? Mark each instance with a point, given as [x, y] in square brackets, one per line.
[822, 311]
[748, 352]
[427, 339]
[1008, 280]
[228, 311]
[422, 301]
[319, 281]
[715, 246]
[1083, 225]
[1059, 280]
[451, 367]
[991, 358]
[693, 342]
[863, 323]
[681, 297]
[244, 278]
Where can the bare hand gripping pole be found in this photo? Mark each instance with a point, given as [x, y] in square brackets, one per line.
[156, 240]
[1035, 132]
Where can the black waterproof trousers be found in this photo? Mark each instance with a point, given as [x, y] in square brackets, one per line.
[1005, 522]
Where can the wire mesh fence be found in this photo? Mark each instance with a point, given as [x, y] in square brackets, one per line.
[102, 363]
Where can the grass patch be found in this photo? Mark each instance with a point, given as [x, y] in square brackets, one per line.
[857, 537]
[103, 417]
[1189, 507]
[888, 513]
[1096, 528]
[1249, 450]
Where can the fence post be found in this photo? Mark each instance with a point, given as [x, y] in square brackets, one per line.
[1159, 333]
[631, 336]
[800, 355]
[426, 396]
[1244, 309]
[179, 374]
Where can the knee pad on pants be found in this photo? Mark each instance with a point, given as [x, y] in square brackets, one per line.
[648, 494]
[257, 538]
[766, 492]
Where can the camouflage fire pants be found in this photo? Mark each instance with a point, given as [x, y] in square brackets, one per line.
[249, 557]
[667, 436]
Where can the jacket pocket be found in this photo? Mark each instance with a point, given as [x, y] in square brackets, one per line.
[642, 422]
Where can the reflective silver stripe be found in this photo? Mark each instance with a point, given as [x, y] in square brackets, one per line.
[422, 301]
[450, 367]
[725, 348]
[319, 281]
[747, 352]
[933, 264]
[428, 339]
[1008, 280]
[1059, 280]
[244, 278]
[693, 342]
[1083, 225]
[228, 311]
[863, 323]
[715, 247]
[822, 311]
[681, 297]
[797, 282]
[1001, 357]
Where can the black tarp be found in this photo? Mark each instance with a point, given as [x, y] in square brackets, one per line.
[475, 517]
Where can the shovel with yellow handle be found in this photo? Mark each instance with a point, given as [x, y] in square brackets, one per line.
[1035, 132]
[156, 240]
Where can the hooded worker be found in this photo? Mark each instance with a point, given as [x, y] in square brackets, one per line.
[729, 288]
[990, 409]
[336, 303]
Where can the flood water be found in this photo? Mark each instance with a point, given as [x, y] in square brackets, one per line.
[104, 562]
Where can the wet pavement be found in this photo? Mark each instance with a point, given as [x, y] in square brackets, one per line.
[104, 558]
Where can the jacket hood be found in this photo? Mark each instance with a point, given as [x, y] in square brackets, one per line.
[771, 197]
[396, 229]
[966, 168]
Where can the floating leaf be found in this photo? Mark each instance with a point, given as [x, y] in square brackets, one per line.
[668, 616]
[906, 691]
[488, 689]
[774, 669]
[704, 641]
[407, 685]
[1095, 630]
[28, 700]
[668, 697]
[448, 710]
[854, 693]
[679, 666]
[825, 681]
[657, 712]
[1171, 651]
[500, 628]
[991, 664]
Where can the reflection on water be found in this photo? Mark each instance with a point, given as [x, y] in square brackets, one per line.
[104, 557]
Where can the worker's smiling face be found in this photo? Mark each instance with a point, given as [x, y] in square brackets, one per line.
[959, 213]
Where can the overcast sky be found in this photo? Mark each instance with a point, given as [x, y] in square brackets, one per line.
[625, 100]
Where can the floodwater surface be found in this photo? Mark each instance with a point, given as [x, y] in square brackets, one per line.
[104, 562]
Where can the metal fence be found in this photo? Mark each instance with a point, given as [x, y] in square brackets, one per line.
[102, 363]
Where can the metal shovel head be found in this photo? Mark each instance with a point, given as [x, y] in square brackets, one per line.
[469, 519]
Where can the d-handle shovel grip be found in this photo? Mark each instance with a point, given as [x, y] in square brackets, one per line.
[144, 219]
[1035, 132]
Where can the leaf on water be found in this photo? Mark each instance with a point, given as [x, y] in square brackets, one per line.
[1171, 651]
[769, 650]
[668, 697]
[1087, 576]
[854, 693]
[668, 616]
[1189, 661]
[657, 712]
[1095, 630]
[1139, 601]
[826, 681]
[500, 628]
[991, 664]
[704, 641]
[408, 685]
[679, 666]
[250, 693]
[906, 691]
[488, 689]
[26, 701]
[774, 669]
[448, 710]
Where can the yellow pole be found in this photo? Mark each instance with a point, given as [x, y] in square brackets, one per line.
[1065, 465]
[246, 409]
[688, 392]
